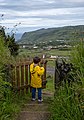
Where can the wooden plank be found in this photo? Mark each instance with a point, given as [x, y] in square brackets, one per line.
[23, 63]
[18, 77]
[22, 77]
[30, 79]
[26, 77]
[21, 87]
[44, 76]
[45, 71]
[13, 76]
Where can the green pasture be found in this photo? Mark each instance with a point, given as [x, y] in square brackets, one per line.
[39, 52]
[50, 84]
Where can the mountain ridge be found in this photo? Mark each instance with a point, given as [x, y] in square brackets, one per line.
[51, 35]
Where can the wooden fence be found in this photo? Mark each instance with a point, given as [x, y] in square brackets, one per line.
[21, 77]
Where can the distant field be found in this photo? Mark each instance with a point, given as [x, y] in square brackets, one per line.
[37, 52]
[24, 53]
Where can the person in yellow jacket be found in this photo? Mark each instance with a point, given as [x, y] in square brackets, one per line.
[36, 81]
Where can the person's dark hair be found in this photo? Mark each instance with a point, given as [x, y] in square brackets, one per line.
[36, 60]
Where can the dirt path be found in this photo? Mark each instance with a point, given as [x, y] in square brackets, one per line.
[50, 70]
[36, 111]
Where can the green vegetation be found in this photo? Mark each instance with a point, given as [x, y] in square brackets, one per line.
[53, 36]
[9, 41]
[50, 85]
[11, 105]
[10, 102]
[68, 104]
[54, 52]
[69, 100]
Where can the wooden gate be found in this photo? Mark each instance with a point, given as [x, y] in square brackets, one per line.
[21, 77]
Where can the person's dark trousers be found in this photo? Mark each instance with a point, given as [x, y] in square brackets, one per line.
[33, 92]
[39, 93]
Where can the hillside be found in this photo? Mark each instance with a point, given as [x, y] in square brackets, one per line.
[53, 36]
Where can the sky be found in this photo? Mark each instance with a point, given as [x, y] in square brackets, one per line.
[28, 15]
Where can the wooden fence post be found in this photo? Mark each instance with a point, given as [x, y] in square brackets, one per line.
[18, 78]
[26, 77]
[22, 78]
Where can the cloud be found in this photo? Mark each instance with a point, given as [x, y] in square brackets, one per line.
[74, 1]
[34, 14]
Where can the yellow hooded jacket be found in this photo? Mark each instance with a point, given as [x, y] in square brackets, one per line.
[36, 73]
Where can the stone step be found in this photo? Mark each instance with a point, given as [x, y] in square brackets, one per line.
[36, 111]
[35, 107]
[30, 115]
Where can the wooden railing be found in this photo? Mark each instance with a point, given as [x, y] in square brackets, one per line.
[21, 77]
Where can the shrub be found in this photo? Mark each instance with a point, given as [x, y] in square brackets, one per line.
[66, 105]
[69, 100]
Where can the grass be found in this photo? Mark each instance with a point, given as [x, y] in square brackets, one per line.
[38, 52]
[50, 84]
[69, 100]
[65, 105]
[57, 52]
[9, 108]
[51, 63]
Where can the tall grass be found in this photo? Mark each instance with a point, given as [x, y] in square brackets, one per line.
[10, 103]
[68, 103]
[77, 58]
